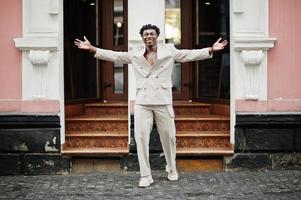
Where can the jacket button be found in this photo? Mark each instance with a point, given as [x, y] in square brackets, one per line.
[157, 77]
[141, 67]
[147, 76]
[161, 66]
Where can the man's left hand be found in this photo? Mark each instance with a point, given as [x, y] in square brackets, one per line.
[218, 45]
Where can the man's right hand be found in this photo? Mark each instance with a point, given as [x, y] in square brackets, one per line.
[85, 45]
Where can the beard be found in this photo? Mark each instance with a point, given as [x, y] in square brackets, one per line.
[150, 44]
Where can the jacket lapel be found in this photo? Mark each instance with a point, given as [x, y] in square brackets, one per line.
[157, 63]
[159, 57]
[143, 59]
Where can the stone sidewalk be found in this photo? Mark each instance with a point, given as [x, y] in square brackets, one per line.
[224, 185]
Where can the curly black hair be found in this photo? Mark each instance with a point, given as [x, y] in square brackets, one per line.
[149, 26]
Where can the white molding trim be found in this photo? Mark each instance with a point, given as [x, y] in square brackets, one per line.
[37, 43]
[245, 43]
[54, 7]
[238, 7]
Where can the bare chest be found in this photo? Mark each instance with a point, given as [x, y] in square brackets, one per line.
[151, 58]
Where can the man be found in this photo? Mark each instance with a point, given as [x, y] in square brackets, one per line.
[153, 66]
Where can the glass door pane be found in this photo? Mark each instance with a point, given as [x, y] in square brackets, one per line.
[118, 25]
[173, 21]
[118, 78]
[118, 42]
[176, 77]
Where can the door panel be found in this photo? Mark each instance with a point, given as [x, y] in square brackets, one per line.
[104, 23]
[212, 77]
[115, 84]
[198, 24]
[80, 68]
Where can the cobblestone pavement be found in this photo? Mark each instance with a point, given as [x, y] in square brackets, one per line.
[224, 185]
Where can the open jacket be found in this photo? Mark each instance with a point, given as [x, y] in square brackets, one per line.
[153, 83]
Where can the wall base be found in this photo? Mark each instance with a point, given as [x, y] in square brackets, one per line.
[266, 142]
[30, 144]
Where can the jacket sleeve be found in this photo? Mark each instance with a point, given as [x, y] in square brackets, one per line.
[113, 56]
[188, 55]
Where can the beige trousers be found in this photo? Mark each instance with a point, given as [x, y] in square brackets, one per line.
[164, 117]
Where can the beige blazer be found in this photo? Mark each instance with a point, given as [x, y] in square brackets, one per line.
[153, 83]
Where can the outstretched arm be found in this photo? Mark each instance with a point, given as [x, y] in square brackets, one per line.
[188, 55]
[109, 55]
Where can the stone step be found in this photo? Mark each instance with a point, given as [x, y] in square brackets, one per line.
[103, 109]
[191, 108]
[202, 123]
[205, 133]
[121, 108]
[201, 151]
[120, 151]
[192, 140]
[92, 133]
[93, 164]
[183, 123]
[106, 139]
[200, 164]
[92, 140]
[95, 123]
[187, 152]
[95, 117]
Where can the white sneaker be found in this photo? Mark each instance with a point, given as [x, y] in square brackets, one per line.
[173, 176]
[145, 181]
[167, 169]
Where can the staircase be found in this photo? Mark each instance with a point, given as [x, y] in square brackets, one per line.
[200, 132]
[101, 130]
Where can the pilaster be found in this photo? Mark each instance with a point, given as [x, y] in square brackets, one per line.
[40, 46]
[250, 43]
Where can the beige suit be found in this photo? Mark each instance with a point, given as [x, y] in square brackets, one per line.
[154, 96]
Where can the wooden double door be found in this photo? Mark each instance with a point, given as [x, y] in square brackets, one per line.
[194, 24]
[104, 23]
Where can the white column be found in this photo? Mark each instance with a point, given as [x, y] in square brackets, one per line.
[250, 42]
[41, 33]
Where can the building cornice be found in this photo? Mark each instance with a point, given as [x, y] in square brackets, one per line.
[37, 43]
[244, 43]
